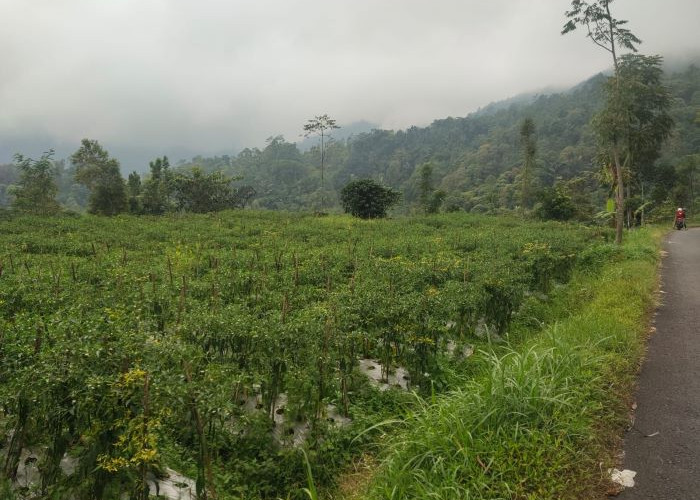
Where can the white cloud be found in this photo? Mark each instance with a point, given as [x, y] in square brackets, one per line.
[175, 75]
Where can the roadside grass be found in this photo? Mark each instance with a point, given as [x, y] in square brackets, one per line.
[542, 420]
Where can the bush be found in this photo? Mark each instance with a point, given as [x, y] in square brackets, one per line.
[555, 205]
[368, 199]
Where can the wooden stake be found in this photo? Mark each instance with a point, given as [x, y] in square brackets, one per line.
[170, 271]
[181, 305]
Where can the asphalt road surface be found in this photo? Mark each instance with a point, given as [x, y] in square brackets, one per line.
[663, 446]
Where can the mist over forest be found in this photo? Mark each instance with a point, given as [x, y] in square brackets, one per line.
[474, 162]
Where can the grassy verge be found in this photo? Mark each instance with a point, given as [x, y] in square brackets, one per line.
[540, 421]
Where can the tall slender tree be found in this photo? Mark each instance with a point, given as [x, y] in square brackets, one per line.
[425, 186]
[157, 189]
[529, 147]
[133, 187]
[321, 126]
[637, 109]
[608, 33]
[429, 198]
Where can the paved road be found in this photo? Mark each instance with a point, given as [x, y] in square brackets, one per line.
[668, 398]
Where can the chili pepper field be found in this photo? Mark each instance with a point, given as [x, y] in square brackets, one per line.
[224, 345]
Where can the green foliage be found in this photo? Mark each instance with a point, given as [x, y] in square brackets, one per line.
[133, 187]
[637, 110]
[426, 186]
[36, 190]
[634, 124]
[430, 199]
[8, 177]
[476, 160]
[684, 178]
[311, 490]
[648, 104]
[555, 204]
[529, 146]
[134, 344]
[537, 420]
[321, 126]
[199, 192]
[612, 124]
[157, 188]
[100, 174]
[6, 490]
[604, 30]
[367, 199]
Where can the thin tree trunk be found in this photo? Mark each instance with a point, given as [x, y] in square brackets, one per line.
[619, 196]
[613, 50]
[323, 183]
[643, 203]
[144, 488]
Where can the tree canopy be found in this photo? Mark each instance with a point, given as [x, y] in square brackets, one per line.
[321, 126]
[36, 191]
[477, 160]
[200, 192]
[100, 174]
[367, 199]
[634, 91]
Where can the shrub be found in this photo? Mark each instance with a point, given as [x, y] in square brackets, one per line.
[368, 199]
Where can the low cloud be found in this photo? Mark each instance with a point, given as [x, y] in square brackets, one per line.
[179, 77]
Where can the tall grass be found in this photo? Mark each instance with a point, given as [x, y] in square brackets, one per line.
[538, 423]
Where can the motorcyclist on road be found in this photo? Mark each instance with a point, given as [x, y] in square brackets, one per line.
[679, 220]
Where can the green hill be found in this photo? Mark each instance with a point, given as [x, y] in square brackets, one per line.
[475, 159]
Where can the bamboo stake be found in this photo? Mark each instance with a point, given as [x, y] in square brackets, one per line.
[144, 443]
[181, 304]
[296, 270]
[170, 271]
[205, 460]
[285, 307]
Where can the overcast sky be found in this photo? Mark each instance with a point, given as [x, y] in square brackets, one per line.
[179, 77]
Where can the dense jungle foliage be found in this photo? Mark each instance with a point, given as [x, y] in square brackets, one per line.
[223, 345]
[476, 161]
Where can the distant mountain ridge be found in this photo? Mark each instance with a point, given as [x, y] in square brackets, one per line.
[475, 160]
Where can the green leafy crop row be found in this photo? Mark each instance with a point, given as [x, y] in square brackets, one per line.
[131, 344]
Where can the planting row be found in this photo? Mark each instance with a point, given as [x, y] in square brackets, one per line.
[225, 342]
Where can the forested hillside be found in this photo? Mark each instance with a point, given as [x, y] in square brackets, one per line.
[472, 163]
[475, 160]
